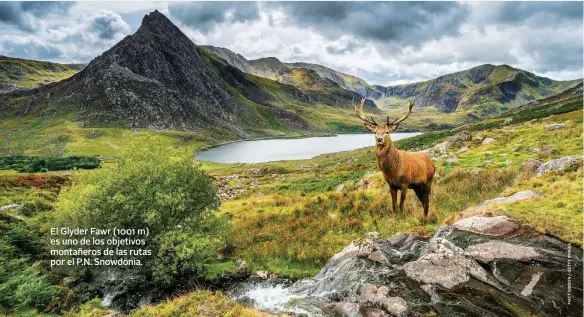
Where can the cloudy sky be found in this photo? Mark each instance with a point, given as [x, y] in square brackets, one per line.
[382, 42]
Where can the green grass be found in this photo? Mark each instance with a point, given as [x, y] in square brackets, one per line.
[293, 221]
[31, 74]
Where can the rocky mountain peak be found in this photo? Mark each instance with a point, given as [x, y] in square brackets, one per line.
[157, 23]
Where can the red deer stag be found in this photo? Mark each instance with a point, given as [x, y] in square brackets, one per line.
[401, 169]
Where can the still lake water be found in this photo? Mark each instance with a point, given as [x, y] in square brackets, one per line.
[258, 151]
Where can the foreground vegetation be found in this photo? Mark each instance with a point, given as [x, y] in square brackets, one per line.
[287, 217]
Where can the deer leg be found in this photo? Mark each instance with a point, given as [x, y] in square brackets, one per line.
[404, 192]
[426, 200]
[393, 192]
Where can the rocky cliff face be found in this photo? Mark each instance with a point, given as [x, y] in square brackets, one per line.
[479, 266]
[159, 79]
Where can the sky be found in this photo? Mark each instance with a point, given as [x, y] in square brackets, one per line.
[384, 43]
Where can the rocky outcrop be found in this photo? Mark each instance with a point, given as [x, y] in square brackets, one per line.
[555, 126]
[478, 266]
[459, 139]
[564, 164]
[488, 141]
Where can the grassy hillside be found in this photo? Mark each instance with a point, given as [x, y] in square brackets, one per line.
[17, 73]
[292, 216]
[289, 217]
[479, 92]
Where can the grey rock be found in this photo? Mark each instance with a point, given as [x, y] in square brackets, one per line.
[378, 296]
[444, 264]
[11, 206]
[548, 149]
[492, 226]
[340, 188]
[555, 126]
[458, 140]
[568, 163]
[488, 141]
[519, 196]
[531, 165]
[463, 149]
[498, 250]
[508, 121]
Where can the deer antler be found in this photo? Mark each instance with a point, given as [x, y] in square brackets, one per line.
[361, 115]
[397, 121]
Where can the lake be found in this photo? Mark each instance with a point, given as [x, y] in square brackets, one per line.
[258, 151]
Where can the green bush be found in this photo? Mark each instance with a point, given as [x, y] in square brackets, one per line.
[156, 187]
[23, 286]
[33, 164]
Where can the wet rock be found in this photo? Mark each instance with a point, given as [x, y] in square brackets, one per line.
[492, 226]
[555, 126]
[488, 141]
[475, 267]
[344, 309]
[531, 165]
[378, 296]
[565, 164]
[444, 264]
[498, 250]
[379, 257]
[265, 275]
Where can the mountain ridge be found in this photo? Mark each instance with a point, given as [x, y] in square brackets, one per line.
[482, 90]
[157, 78]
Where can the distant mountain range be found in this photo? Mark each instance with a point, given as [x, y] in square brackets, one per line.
[159, 79]
[482, 91]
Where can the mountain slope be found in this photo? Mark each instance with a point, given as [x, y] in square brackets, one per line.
[17, 73]
[272, 68]
[159, 79]
[481, 91]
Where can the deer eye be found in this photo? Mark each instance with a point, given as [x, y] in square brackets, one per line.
[386, 132]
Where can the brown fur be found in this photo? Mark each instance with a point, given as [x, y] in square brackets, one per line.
[402, 170]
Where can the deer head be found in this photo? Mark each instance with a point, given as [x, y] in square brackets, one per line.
[381, 131]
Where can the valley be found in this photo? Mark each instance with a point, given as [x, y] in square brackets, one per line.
[113, 143]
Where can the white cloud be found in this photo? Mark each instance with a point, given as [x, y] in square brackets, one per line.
[543, 38]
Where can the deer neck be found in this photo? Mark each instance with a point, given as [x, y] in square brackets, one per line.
[387, 155]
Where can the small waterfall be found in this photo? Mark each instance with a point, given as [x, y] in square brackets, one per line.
[276, 298]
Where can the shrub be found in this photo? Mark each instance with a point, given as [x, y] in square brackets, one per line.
[33, 164]
[156, 187]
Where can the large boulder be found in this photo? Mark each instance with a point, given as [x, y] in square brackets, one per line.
[459, 139]
[555, 126]
[531, 165]
[565, 164]
[474, 267]
[491, 226]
